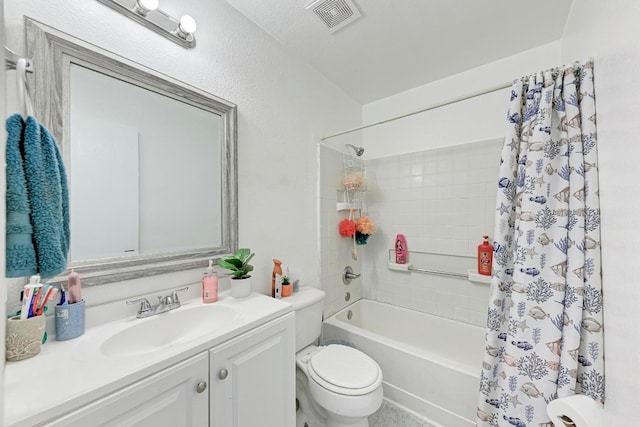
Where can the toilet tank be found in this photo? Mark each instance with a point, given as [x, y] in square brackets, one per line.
[308, 304]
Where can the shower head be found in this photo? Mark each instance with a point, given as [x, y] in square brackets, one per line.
[358, 150]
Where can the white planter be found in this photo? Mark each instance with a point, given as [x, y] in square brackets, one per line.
[241, 288]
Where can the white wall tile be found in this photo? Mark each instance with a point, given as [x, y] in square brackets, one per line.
[442, 203]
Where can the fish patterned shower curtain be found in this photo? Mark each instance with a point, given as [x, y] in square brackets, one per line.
[544, 326]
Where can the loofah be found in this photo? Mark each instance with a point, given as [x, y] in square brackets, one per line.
[347, 227]
[365, 225]
[354, 181]
[361, 238]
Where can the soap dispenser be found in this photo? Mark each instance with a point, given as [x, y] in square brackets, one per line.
[210, 285]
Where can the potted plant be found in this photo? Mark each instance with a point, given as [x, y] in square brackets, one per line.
[287, 286]
[240, 268]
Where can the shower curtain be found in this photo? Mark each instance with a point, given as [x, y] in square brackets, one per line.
[544, 324]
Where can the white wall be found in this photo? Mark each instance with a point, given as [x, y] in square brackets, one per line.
[609, 33]
[477, 119]
[283, 106]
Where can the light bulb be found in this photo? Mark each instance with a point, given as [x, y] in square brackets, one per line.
[148, 4]
[142, 7]
[187, 25]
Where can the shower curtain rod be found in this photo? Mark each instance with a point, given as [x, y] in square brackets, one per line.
[422, 110]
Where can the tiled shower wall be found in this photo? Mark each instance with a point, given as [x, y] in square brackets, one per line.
[442, 200]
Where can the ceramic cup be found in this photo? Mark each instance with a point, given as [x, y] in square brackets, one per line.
[69, 321]
[24, 337]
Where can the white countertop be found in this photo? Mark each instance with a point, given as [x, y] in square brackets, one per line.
[69, 374]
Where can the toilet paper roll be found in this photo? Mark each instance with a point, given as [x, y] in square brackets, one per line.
[575, 411]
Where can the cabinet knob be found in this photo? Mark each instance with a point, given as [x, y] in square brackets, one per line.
[202, 386]
[223, 373]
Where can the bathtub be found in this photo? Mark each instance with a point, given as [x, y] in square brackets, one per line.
[431, 365]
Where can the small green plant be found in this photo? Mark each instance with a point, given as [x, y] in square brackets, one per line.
[238, 264]
[286, 280]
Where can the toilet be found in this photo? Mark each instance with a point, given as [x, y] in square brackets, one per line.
[336, 385]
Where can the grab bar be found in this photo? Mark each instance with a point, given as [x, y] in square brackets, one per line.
[439, 272]
[410, 267]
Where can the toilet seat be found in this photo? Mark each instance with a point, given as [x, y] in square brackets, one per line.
[344, 370]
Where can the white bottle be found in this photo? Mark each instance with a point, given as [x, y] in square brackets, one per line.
[278, 290]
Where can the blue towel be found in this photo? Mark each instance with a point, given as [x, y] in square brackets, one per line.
[20, 252]
[49, 197]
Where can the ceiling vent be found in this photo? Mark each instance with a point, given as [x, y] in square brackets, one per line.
[335, 14]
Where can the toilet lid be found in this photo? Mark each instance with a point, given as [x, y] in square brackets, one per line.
[345, 370]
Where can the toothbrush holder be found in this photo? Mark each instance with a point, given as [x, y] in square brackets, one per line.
[24, 337]
[69, 321]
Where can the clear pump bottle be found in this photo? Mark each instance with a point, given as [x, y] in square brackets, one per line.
[210, 285]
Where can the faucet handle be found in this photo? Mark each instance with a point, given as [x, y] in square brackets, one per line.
[348, 275]
[145, 305]
[174, 294]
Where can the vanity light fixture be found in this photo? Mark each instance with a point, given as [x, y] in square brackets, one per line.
[147, 13]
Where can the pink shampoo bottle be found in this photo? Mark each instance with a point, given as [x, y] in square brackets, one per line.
[401, 249]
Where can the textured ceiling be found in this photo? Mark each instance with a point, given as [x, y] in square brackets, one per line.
[400, 44]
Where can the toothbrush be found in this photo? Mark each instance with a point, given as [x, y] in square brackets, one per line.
[49, 295]
[63, 298]
[34, 303]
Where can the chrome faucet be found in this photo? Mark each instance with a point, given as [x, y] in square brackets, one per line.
[170, 302]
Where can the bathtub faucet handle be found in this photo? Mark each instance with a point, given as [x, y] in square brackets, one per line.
[348, 275]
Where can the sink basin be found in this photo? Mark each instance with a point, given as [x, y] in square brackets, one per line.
[165, 329]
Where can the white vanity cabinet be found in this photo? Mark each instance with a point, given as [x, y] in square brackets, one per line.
[252, 378]
[246, 381]
[176, 396]
[228, 364]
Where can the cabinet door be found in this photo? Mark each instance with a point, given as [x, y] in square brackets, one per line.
[169, 398]
[253, 378]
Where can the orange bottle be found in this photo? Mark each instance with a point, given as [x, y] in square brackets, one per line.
[277, 270]
[485, 257]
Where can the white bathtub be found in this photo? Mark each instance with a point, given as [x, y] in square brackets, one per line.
[430, 365]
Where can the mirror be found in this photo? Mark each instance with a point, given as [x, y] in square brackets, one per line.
[151, 161]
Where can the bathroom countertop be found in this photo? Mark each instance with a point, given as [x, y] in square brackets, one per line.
[69, 374]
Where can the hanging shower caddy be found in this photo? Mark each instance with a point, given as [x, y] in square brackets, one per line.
[354, 182]
[351, 198]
